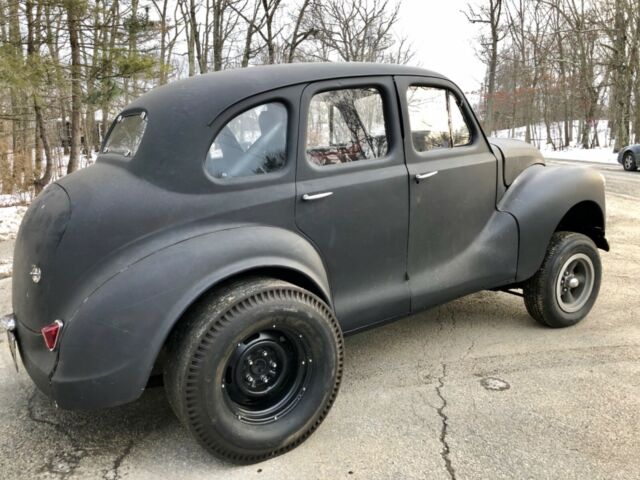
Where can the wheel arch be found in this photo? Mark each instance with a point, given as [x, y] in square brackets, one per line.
[586, 217]
[304, 269]
[287, 273]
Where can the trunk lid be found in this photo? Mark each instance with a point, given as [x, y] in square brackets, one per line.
[40, 233]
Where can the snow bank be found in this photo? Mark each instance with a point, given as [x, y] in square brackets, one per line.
[595, 155]
[575, 152]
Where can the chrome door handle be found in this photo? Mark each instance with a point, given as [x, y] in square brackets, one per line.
[316, 196]
[422, 176]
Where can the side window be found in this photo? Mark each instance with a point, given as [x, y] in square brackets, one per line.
[252, 143]
[435, 119]
[346, 126]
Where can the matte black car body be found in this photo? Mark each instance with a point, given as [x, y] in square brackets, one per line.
[127, 245]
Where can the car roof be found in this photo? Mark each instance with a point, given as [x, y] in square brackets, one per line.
[218, 90]
[208, 95]
[178, 133]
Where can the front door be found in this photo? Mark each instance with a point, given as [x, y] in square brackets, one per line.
[455, 230]
[352, 190]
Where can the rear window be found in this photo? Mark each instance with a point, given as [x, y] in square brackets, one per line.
[126, 135]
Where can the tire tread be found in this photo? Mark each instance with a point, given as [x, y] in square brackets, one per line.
[223, 305]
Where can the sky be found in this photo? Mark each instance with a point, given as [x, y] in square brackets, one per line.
[443, 39]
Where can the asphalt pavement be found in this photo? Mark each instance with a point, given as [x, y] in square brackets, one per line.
[472, 389]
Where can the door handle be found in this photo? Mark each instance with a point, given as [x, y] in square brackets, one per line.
[422, 176]
[316, 196]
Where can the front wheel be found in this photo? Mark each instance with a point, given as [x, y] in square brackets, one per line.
[254, 368]
[565, 288]
[629, 162]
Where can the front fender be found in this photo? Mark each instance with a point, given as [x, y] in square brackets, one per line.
[539, 199]
[109, 347]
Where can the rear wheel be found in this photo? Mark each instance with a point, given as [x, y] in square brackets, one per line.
[629, 162]
[255, 368]
[565, 288]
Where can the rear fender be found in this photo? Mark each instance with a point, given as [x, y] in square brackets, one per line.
[108, 349]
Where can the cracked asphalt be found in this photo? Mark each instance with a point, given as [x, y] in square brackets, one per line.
[472, 389]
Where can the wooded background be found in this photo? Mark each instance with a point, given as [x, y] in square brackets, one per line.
[68, 66]
[567, 62]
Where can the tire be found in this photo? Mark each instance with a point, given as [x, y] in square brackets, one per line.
[629, 162]
[556, 299]
[254, 368]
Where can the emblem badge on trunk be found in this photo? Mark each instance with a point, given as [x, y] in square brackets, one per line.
[36, 274]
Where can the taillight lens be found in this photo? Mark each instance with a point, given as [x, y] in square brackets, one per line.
[50, 333]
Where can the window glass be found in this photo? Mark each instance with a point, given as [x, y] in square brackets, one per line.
[435, 119]
[126, 135]
[253, 143]
[345, 126]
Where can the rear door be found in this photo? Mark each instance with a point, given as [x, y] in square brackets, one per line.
[352, 195]
[456, 242]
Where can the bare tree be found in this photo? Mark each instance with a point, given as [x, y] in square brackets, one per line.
[490, 15]
[357, 31]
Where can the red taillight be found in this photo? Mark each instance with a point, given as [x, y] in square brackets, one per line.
[50, 334]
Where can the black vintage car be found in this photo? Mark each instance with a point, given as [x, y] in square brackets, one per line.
[237, 224]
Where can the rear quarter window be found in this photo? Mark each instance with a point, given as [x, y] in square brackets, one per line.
[126, 135]
[252, 143]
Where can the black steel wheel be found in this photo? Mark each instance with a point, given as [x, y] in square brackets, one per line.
[566, 286]
[254, 368]
[267, 374]
[629, 162]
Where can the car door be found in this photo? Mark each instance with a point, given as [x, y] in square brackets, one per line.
[352, 195]
[458, 242]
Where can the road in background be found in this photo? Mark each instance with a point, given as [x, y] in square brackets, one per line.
[472, 389]
[619, 182]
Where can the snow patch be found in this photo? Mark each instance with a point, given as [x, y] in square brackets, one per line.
[551, 147]
[10, 219]
[6, 268]
[595, 155]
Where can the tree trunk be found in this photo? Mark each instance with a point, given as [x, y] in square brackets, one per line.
[18, 126]
[73, 23]
[43, 181]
